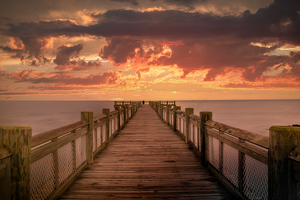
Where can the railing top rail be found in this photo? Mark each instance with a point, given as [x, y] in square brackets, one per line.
[113, 112]
[180, 112]
[194, 117]
[254, 138]
[295, 154]
[99, 117]
[49, 135]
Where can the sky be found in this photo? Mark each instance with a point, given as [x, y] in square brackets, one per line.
[149, 49]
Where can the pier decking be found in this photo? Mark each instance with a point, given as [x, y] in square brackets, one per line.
[146, 160]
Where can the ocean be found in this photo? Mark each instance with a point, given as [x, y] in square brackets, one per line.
[252, 115]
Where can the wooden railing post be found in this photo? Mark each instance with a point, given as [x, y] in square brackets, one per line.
[188, 111]
[282, 140]
[88, 117]
[5, 174]
[126, 113]
[106, 111]
[18, 140]
[175, 117]
[204, 117]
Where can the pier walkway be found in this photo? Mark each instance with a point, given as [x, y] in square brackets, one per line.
[146, 160]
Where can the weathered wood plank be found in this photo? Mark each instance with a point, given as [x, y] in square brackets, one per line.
[146, 160]
[254, 138]
[49, 135]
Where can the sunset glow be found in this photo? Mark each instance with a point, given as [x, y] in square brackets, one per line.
[134, 49]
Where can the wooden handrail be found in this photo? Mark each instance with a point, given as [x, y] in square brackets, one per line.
[49, 135]
[254, 138]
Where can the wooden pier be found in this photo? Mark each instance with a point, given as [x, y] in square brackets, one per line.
[144, 152]
[146, 160]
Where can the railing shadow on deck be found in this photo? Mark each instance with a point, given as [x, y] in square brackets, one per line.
[44, 165]
[252, 166]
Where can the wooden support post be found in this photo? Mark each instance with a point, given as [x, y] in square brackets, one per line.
[282, 140]
[18, 140]
[106, 111]
[175, 117]
[126, 113]
[204, 117]
[5, 175]
[188, 111]
[88, 117]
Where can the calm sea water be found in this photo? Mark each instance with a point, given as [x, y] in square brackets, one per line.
[43, 116]
[255, 116]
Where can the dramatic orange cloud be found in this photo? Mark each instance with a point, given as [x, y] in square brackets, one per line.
[132, 49]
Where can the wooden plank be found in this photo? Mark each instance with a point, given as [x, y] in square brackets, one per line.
[146, 160]
[254, 138]
[49, 135]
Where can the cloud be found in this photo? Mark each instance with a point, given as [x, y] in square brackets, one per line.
[196, 41]
[133, 2]
[18, 53]
[186, 3]
[120, 49]
[35, 77]
[67, 57]
[65, 53]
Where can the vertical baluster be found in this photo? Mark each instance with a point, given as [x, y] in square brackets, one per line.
[204, 117]
[74, 151]
[188, 111]
[56, 175]
[88, 117]
[241, 169]
[221, 148]
[106, 111]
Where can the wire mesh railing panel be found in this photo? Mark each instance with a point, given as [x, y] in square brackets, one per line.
[99, 138]
[42, 178]
[230, 164]
[213, 150]
[80, 150]
[255, 179]
[65, 162]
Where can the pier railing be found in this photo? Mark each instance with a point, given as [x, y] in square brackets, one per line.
[44, 165]
[252, 166]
